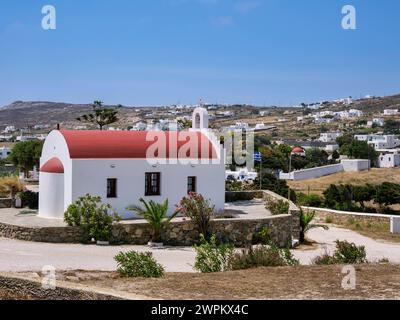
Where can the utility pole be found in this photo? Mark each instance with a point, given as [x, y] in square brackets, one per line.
[260, 174]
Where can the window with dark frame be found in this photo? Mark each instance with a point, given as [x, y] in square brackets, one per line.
[111, 188]
[191, 184]
[152, 184]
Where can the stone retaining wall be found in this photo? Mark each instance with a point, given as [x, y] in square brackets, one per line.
[5, 203]
[322, 214]
[240, 232]
[51, 235]
[294, 211]
[237, 231]
[33, 290]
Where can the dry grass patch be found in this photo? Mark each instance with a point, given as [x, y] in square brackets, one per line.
[374, 176]
[300, 282]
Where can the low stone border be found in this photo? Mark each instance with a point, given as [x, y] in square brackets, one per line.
[239, 232]
[20, 286]
[45, 234]
[5, 203]
[342, 216]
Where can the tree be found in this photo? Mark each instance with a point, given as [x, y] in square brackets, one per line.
[331, 196]
[25, 155]
[155, 214]
[305, 224]
[100, 116]
[391, 126]
[316, 158]
[335, 155]
[359, 150]
[387, 194]
[362, 194]
[345, 139]
[270, 182]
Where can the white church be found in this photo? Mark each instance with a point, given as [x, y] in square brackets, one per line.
[123, 166]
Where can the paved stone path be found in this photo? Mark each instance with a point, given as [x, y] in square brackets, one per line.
[376, 250]
[18, 255]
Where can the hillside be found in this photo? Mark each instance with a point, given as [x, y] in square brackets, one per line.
[24, 114]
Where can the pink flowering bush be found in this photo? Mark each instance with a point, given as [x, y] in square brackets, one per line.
[200, 210]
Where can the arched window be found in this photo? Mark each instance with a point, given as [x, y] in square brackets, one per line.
[197, 121]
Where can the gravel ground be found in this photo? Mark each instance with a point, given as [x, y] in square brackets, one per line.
[312, 282]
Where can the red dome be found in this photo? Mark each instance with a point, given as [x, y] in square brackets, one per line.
[54, 165]
[298, 150]
[95, 144]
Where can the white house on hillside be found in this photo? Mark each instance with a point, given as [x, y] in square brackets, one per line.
[377, 122]
[379, 141]
[123, 166]
[329, 136]
[390, 112]
[390, 160]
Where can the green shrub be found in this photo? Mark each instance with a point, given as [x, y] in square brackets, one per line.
[261, 237]
[198, 209]
[29, 199]
[345, 253]
[212, 257]
[311, 200]
[262, 256]
[92, 216]
[329, 219]
[349, 253]
[277, 207]
[234, 185]
[138, 264]
[324, 259]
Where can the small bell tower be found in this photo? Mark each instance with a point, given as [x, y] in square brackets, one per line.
[200, 118]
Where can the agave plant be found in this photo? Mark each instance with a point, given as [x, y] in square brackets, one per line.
[155, 214]
[305, 224]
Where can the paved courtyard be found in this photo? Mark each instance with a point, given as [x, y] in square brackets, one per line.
[252, 209]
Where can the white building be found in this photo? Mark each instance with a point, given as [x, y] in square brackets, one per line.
[239, 126]
[241, 175]
[377, 122]
[329, 136]
[379, 141]
[390, 112]
[391, 160]
[123, 166]
[9, 129]
[348, 165]
[4, 152]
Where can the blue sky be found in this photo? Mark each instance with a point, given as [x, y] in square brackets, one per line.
[154, 52]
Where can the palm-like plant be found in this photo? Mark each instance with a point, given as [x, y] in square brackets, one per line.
[305, 224]
[100, 116]
[155, 214]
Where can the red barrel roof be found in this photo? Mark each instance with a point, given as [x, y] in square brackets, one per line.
[54, 165]
[95, 144]
[298, 150]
